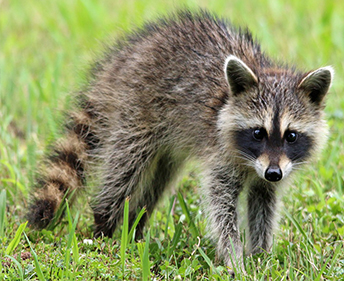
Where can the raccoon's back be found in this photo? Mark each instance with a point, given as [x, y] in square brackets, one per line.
[171, 70]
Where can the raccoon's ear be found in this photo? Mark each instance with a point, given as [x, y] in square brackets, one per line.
[239, 76]
[317, 83]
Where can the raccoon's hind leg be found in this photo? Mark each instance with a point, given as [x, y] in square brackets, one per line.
[261, 215]
[139, 172]
[164, 169]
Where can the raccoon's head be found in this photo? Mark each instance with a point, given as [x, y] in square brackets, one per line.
[273, 118]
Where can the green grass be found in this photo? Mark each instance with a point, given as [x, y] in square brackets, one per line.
[45, 50]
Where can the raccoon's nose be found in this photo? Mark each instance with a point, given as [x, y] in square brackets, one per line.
[273, 174]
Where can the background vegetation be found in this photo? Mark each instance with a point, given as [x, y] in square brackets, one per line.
[45, 48]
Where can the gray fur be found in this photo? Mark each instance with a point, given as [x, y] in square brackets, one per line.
[161, 96]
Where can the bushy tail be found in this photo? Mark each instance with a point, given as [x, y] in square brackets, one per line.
[63, 169]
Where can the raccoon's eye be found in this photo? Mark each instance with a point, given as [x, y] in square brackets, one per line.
[259, 134]
[291, 137]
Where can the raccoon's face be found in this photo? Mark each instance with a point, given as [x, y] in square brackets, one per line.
[273, 121]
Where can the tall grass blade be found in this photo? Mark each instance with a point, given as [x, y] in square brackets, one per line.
[208, 261]
[236, 265]
[334, 259]
[75, 250]
[14, 243]
[297, 225]
[137, 220]
[169, 215]
[60, 211]
[2, 212]
[176, 238]
[145, 260]
[71, 237]
[193, 228]
[319, 276]
[37, 266]
[124, 240]
[20, 269]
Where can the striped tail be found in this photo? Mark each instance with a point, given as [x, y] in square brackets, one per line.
[63, 171]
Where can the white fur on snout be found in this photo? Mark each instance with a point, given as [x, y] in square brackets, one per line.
[261, 164]
[285, 165]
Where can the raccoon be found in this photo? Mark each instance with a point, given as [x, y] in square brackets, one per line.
[189, 86]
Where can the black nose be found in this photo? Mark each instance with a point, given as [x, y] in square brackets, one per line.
[273, 174]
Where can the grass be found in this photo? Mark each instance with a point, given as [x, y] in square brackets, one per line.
[45, 49]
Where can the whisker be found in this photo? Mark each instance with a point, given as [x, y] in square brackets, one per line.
[246, 155]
